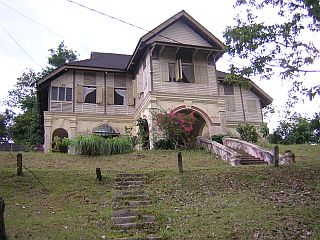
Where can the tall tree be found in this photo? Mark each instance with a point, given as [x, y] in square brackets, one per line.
[25, 126]
[270, 35]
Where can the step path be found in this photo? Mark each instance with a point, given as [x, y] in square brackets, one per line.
[127, 216]
[247, 159]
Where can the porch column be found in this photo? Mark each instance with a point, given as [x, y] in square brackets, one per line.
[47, 132]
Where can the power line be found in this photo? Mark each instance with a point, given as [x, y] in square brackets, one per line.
[120, 20]
[39, 24]
[13, 39]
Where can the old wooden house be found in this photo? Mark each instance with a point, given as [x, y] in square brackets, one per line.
[172, 68]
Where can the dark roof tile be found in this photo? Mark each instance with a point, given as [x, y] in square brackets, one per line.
[104, 60]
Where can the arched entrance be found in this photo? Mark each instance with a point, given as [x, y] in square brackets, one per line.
[200, 127]
[57, 136]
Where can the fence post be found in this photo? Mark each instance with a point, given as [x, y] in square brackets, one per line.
[98, 172]
[19, 164]
[180, 166]
[3, 235]
[276, 156]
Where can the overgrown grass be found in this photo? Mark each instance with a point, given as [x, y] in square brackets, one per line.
[210, 200]
[94, 145]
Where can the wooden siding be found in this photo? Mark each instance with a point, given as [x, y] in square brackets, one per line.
[182, 33]
[251, 105]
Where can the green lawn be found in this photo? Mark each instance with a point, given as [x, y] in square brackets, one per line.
[211, 200]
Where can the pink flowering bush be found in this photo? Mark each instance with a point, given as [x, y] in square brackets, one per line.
[176, 126]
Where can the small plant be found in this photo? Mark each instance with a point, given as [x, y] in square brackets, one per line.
[248, 132]
[165, 144]
[217, 138]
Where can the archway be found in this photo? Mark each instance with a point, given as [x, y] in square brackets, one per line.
[61, 134]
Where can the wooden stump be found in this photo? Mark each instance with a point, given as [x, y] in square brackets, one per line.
[180, 165]
[3, 235]
[98, 172]
[19, 164]
[276, 156]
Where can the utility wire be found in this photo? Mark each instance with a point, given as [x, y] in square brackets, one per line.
[13, 39]
[120, 20]
[39, 24]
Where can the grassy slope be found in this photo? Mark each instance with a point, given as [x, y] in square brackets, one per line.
[211, 200]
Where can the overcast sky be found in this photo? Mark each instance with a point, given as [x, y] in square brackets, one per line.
[48, 22]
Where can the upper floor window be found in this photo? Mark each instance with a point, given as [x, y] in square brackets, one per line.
[89, 94]
[172, 72]
[61, 94]
[120, 96]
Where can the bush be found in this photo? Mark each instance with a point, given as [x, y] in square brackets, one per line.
[217, 138]
[94, 145]
[60, 145]
[248, 132]
[164, 144]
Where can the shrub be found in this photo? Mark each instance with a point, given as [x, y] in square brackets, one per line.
[60, 145]
[164, 144]
[94, 145]
[248, 132]
[217, 138]
[264, 130]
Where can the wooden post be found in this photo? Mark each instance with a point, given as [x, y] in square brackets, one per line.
[180, 166]
[276, 156]
[19, 164]
[98, 172]
[3, 235]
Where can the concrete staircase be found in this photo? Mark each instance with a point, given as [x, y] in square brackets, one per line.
[247, 159]
[127, 215]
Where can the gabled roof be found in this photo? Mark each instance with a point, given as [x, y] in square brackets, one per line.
[190, 21]
[264, 97]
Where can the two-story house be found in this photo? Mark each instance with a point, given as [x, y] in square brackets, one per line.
[173, 68]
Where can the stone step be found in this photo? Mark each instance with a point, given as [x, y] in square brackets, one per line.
[129, 204]
[129, 187]
[135, 226]
[131, 197]
[127, 183]
[129, 193]
[119, 179]
[133, 219]
[252, 162]
[125, 212]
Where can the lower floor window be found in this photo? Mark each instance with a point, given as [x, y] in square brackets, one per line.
[120, 96]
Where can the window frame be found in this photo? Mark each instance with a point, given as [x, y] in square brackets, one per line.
[125, 98]
[58, 94]
[86, 94]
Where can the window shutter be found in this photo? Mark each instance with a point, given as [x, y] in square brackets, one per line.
[99, 96]
[165, 71]
[197, 74]
[204, 75]
[79, 93]
[110, 95]
[130, 96]
[134, 88]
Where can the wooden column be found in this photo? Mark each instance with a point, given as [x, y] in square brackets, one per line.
[3, 235]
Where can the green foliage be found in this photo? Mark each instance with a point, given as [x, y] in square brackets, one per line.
[143, 133]
[59, 57]
[60, 145]
[264, 130]
[217, 138]
[164, 144]
[276, 44]
[95, 145]
[176, 126]
[315, 127]
[248, 132]
[134, 139]
[4, 122]
[295, 130]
